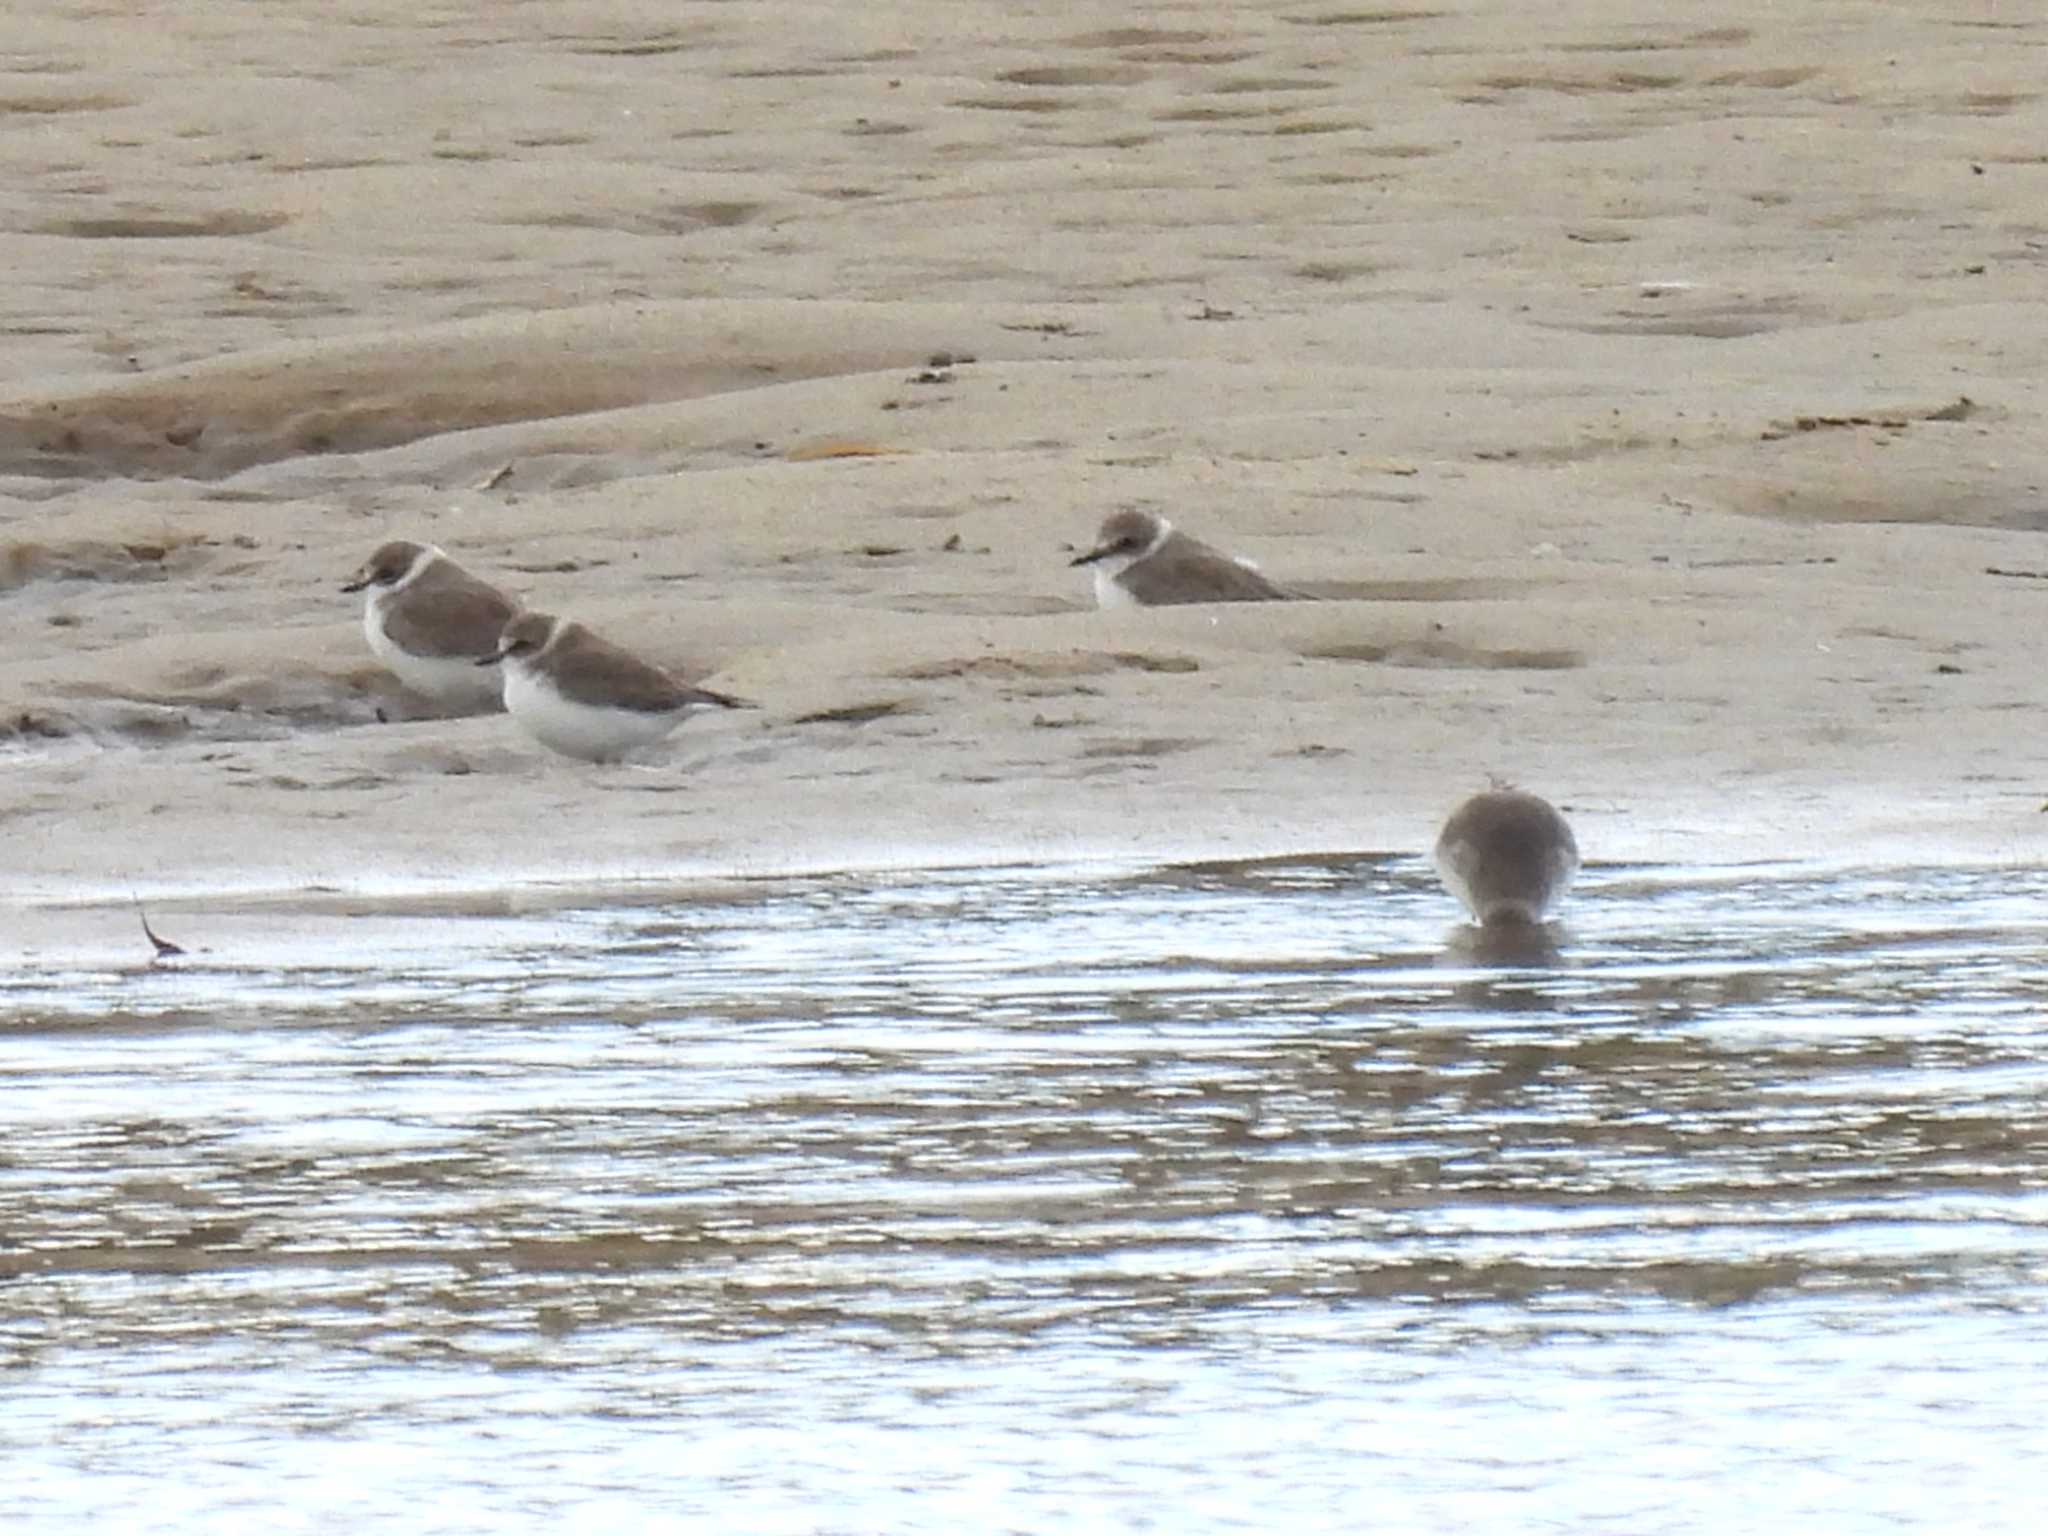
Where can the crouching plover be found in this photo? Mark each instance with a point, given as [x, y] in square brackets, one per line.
[1141, 562]
[1508, 856]
[586, 698]
[430, 622]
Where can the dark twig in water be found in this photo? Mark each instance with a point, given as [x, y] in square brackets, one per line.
[164, 947]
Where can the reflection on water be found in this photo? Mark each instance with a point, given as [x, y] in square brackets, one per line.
[1212, 1198]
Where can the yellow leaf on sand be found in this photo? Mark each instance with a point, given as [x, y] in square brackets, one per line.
[839, 448]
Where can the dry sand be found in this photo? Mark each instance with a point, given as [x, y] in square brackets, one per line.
[1656, 406]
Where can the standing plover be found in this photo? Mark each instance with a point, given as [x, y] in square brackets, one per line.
[1141, 562]
[430, 622]
[586, 698]
[1508, 856]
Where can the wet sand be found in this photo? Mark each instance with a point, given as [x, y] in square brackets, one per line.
[1655, 408]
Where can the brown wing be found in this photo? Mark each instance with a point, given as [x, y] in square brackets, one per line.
[1522, 826]
[455, 614]
[593, 671]
[1188, 571]
[1509, 846]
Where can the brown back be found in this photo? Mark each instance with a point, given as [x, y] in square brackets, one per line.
[448, 612]
[590, 670]
[1512, 849]
[1186, 570]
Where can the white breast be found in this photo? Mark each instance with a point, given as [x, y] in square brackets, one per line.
[578, 730]
[1109, 593]
[451, 682]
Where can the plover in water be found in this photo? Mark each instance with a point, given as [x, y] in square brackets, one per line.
[430, 622]
[1140, 561]
[585, 697]
[1508, 856]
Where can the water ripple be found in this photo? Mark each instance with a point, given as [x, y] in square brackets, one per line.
[1063, 1183]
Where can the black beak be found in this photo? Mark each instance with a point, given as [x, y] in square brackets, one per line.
[356, 585]
[493, 659]
[1093, 555]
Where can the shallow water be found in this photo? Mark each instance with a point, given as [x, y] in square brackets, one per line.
[1202, 1199]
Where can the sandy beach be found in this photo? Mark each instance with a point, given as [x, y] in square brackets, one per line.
[1654, 409]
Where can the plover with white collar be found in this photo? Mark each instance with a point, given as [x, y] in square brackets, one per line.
[585, 697]
[1508, 856]
[1140, 561]
[430, 622]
